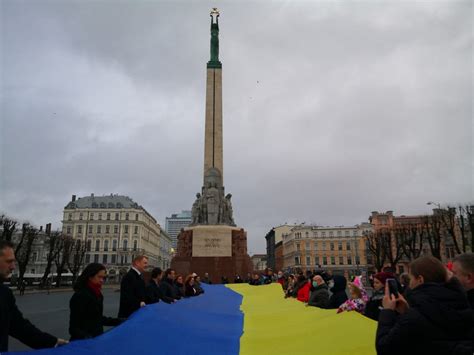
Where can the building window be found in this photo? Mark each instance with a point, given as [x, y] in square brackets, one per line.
[136, 230]
[88, 258]
[96, 258]
[297, 247]
[126, 216]
[79, 229]
[99, 229]
[347, 233]
[107, 229]
[104, 259]
[341, 260]
[90, 229]
[323, 234]
[68, 230]
[80, 216]
[126, 229]
[357, 260]
[325, 260]
[332, 245]
[307, 246]
[331, 233]
[97, 245]
[316, 260]
[92, 216]
[125, 244]
[108, 216]
[339, 233]
[315, 234]
[69, 217]
[106, 245]
[136, 217]
[354, 233]
[308, 261]
[89, 245]
[307, 234]
[349, 260]
[100, 216]
[339, 246]
[135, 245]
[348, 246]
[115, 229]
[297, 260]
[117, 216]
[114, 259]
[114, 245]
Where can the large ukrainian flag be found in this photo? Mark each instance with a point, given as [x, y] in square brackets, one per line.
[233, 320]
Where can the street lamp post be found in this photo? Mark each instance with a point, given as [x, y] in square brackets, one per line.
[434, 203]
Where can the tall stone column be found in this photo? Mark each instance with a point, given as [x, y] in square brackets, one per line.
[213, 147]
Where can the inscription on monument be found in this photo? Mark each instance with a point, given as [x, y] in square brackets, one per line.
[212, 242]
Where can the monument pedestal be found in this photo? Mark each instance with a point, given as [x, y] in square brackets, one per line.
[219, 250]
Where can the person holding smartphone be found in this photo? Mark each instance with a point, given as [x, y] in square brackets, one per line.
[435, 319]
[374, 305]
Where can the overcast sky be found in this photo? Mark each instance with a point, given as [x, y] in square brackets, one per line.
[331, 109]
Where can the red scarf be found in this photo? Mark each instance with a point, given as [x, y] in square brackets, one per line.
[95, 288]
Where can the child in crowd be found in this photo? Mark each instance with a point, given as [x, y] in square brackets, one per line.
[358, 298]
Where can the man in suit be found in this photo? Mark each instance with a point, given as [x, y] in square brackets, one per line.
[11, 319]
[153, 292]
[132, 288]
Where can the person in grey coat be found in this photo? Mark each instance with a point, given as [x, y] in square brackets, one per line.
[319, 294]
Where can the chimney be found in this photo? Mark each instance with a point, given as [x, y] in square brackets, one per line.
[73, 198]
[48, 229]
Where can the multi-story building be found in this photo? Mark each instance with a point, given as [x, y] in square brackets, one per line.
[175, 223]
[273, 237]
[166, 248]
[341, 250]
[115, 229]
[395, 224]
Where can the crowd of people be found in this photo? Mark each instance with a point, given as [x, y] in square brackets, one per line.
[430, 310]
[87, 302]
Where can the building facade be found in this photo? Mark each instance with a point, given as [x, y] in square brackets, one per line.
[175, 223]
[341, 250]
[259, 262]
[115, 229]
[273, 237]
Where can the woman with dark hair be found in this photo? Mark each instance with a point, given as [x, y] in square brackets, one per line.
[87, 304]
[179, 286]
[435, 318]
[189, 289]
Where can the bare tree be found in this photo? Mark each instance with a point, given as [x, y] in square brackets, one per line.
[66, 245]
[24, 248]
[432, 229]
[8, 227]
[393, 246]
[466, 226]
[411, 238]
[376, 246]
[449, 220]
[76, 261]
[54, 243]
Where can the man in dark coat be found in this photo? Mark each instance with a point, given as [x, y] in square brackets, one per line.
[132, 288]
[435, 319]
[167, 285]
[463, 269]
[11, 319]
[319, 296]
[338, 290]
[153, 291]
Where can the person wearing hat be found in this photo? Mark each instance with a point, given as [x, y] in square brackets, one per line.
[373, 307]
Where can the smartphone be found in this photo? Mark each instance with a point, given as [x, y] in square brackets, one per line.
[393, 287]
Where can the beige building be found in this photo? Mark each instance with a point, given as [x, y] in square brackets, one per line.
[116, 229]
[342, 250]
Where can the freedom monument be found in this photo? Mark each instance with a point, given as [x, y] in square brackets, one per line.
[213, 243]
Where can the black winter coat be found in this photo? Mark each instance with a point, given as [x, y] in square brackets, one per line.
[168, 290]
[439, 321]
[12, 323]
[86, 317]
[470, 297]
[179, 289]
[132, 293]
[319, 296]
[339, 295]
[372, 308]
[154, 294]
